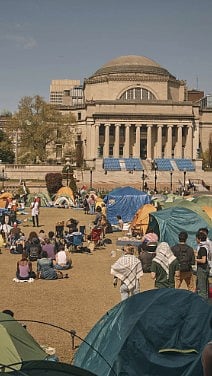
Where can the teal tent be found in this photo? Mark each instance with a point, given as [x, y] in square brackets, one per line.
[157, 332]
[168, 223]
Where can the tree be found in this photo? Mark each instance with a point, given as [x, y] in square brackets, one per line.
[6, 149]
[40, 126]
[53, 183]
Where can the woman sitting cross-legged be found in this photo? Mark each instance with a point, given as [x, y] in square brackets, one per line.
[24, 269]
[45, 269]
[62, 259]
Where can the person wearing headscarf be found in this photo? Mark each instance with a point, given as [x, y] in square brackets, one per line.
[165, 267]
[128, 269]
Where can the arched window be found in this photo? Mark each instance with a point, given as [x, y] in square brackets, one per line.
[137, 94]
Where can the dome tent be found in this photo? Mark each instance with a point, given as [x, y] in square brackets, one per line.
[168, 223]
[125, 202]
[157, 332]
[67, 193]
[44, 199]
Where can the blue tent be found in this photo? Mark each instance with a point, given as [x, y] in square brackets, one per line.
[168, 223]
[125, 202]
[157, 332]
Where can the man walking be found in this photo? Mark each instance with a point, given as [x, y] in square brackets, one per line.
[128, 269]
[186, 258]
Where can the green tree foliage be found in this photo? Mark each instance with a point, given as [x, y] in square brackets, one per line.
[53, 183]
[40, 126]
[6, 149]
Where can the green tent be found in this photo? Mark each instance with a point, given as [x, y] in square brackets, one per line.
[43, 368]
[16, 344]
[158, 332]
[168, 223]
[204, 200]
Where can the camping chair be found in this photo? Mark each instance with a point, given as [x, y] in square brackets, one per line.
[59, 228]
[76, 241]
[96, 237]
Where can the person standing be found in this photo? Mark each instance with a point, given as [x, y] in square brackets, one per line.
[128, 269]
[186, 258]
[165, 267]
[35, 212]
[202, 265]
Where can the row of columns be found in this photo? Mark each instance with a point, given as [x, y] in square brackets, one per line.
[154, 142]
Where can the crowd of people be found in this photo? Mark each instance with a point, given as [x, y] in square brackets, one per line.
[168, 266]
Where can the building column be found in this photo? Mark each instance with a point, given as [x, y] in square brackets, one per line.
[196, 140]
[136, 149]
[117, 142]
[106, 144]
[178, 151]
[168, 151]
[188, 145]
[149, 141]
[97, 140]
[159, 141]
[88, 141]
[127, 142]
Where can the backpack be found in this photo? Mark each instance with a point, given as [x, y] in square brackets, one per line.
[182, 254]
[34, 252]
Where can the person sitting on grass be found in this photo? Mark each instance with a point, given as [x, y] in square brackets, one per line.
[62, 259]
[45, 269]
[24, 269]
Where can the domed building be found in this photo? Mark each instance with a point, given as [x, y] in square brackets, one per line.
[135, 108]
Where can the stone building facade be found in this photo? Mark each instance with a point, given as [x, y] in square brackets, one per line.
[133, 107]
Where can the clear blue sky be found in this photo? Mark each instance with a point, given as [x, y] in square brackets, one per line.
[41, 40]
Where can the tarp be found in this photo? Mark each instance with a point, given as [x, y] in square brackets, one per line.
[131, 335]
[43, 368]
[16, 344]
[168, 223]
[141, 218]
[124, 202]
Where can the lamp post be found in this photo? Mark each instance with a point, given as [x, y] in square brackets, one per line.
[184, 178]
[67, 169]
[143, 179]
[2, 178]
[171, 173]
[155, 168]
[91, 177]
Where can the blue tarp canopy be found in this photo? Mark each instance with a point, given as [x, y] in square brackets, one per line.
[168, 223]
[124, 202]
[157, 332]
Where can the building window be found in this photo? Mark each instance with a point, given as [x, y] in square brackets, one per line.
[137, 94]
[79, 116]
[59, 151]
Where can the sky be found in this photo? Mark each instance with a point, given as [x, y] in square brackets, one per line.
[42, 40]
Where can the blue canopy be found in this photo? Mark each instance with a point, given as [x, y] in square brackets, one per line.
[157, 332]
[124, 202]
[168, 223]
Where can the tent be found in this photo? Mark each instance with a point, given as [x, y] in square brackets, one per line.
[17, 344]
[157, 332]
[204, 200]
[44, 199]
[65, 192]
[168, 223]
[141, 218]
[208, 211]
[43, 368]
[3, 198]
[125, 202]
[63, 201]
